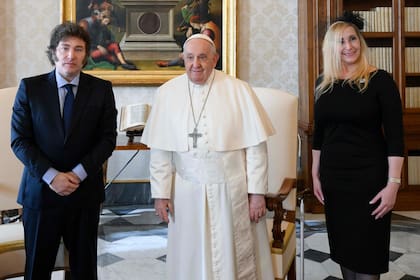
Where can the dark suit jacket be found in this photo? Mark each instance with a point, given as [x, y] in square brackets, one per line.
[38, 140]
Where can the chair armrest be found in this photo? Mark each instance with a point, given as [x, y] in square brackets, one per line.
[10, 216]
[274, 203]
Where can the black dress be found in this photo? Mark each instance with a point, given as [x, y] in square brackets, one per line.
[355, 133]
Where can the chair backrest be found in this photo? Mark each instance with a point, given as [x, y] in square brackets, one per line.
[11, 168]
[282, 108]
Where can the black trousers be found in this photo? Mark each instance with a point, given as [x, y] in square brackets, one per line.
[44, 229]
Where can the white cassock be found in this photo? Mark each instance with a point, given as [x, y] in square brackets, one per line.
[210, 235]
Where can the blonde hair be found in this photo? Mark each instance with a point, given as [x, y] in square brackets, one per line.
[332, 60]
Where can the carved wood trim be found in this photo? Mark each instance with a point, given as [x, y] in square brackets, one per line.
[274, 202]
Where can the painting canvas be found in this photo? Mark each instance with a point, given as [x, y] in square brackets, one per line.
[140, 41]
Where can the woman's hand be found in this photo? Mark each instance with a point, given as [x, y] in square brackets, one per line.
[316, 154]
[388, 196]
[317, 189]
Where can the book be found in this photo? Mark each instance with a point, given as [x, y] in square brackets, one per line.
[134, 117]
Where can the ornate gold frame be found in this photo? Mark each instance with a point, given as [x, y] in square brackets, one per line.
[157, 77]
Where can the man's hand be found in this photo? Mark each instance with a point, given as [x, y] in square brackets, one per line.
[162, 207]
[256, 206]
[65, 183]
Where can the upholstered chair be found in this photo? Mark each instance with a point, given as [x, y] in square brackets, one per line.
[281, 200]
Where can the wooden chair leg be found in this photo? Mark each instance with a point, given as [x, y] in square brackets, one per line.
[291, 274]
[67, 275]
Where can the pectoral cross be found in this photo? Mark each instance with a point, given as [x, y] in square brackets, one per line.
[194, 136]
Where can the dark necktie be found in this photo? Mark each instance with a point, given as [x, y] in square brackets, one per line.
[68, 108]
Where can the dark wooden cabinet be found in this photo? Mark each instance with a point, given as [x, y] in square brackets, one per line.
[392, 31]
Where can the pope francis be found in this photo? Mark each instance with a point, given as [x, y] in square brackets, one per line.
[207, 134]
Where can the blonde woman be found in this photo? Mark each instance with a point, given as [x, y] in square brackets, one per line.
[357, 151]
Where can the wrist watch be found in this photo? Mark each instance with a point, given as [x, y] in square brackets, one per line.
[394, 180]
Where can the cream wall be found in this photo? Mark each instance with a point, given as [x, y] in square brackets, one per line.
[25, 28]
[267, 41]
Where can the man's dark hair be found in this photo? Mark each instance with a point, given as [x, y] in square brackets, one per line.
[64, 30]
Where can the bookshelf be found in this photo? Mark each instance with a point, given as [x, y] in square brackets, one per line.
[392, 31]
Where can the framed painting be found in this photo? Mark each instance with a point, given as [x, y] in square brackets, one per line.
[139, 42]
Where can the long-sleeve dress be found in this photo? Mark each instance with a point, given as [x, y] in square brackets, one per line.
[356, 132]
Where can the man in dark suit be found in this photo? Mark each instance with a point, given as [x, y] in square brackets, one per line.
[63, 130]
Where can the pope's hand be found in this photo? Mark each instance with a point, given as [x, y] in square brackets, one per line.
[256, 206]
[162, 207]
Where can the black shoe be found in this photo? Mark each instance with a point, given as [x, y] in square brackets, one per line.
[129, 66]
